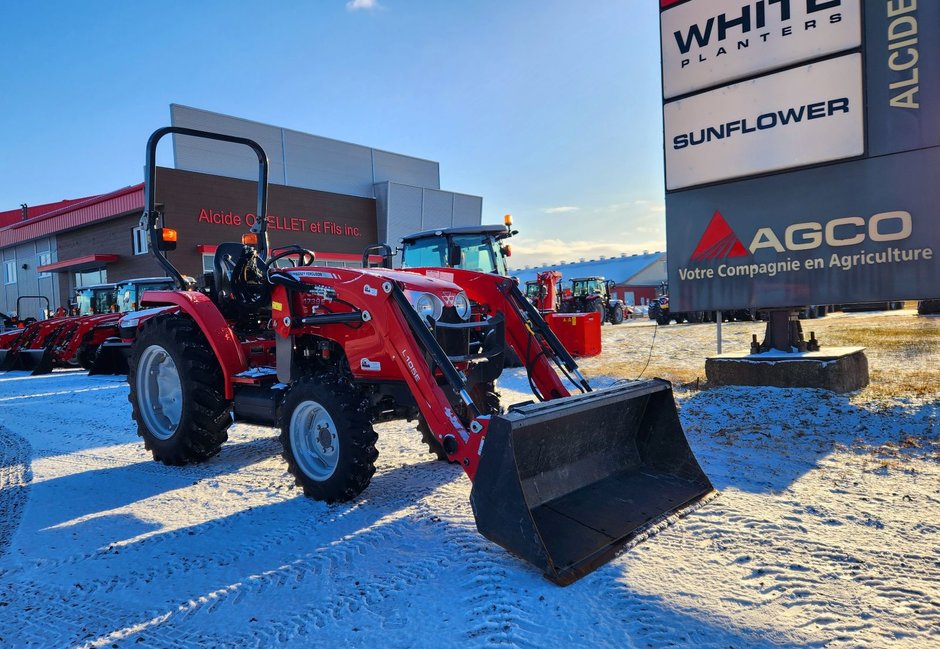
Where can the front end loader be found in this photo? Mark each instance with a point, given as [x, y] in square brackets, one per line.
[323, 353]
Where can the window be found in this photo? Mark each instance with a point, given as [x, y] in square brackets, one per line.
[43, 259]
[9, 272]
[89, 277]
[141, 243]
[208, 259]
[422, 253]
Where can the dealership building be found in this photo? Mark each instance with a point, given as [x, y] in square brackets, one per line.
[332, 197]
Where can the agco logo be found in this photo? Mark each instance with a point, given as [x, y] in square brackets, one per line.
[719, 241]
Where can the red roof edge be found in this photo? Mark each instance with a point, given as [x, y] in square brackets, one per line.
[66, 264]
[93, 200]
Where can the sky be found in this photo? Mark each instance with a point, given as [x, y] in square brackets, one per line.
[548, 109]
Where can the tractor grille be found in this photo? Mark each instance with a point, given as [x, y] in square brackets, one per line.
[454, 342]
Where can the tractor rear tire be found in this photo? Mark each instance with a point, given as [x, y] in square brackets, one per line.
[176, 392]
[601, 311]
[328, 440]
[617, 315]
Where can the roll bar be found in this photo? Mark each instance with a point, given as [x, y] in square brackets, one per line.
[151, 213]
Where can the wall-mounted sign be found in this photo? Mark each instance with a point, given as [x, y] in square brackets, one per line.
[711, 42]
[208, 209]
[798, 117]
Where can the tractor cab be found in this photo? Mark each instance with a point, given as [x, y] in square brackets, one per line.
[593, 294]
[130, 291]
[474, 247]
[589, 286]
[532, 290]
[97, 299]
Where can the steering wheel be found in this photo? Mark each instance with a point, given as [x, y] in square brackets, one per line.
[249, 280]
[305, 257]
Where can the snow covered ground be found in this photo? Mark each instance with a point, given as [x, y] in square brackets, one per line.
[826, 533]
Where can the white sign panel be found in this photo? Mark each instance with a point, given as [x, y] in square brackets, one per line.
[707, 43]
[798, 117]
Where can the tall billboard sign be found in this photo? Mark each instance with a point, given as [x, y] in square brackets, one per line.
[802, 151]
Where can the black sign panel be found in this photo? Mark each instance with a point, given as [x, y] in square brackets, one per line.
[902, 46]
[857, 232]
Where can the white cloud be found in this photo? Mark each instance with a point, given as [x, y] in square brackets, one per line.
[537, 252]
[356, 5]
[560, 210]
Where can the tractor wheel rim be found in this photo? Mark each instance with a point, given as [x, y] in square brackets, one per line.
[160, 392]
[314, 440]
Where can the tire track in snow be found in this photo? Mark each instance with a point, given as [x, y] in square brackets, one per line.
[15, 476]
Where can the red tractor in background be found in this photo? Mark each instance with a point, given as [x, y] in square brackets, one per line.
[70, 341]
[323, 353]
[543, 292]
[593, 294]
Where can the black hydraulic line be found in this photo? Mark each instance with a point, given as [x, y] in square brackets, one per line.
[511, 291]
[150, 207]
[431, 347]
[331, 318]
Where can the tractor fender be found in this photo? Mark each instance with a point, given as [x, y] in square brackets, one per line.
[213, 325]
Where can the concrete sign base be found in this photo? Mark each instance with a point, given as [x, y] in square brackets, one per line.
[839, 369]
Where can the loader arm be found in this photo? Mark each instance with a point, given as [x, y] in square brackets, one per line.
[89, 329]
[398, 331]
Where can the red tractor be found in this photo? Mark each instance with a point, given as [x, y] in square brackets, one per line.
[543, 292]
[589, 294]
[323, 353]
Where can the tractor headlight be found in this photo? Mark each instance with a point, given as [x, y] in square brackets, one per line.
[462, 305]
[428, 305]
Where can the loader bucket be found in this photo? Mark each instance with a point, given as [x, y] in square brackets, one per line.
[110, 359]
[565, 484]
[35, 361]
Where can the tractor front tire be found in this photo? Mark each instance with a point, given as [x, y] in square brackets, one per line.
[328, 440]
[663, 319]
[86, 356]
[176, 392]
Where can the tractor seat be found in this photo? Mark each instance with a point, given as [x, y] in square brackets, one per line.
[223, 264]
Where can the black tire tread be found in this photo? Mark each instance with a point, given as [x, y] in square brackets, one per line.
[206, 413]
[354, 428]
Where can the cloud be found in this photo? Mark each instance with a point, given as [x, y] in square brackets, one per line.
[560, 210]
[537, 252]
[367, 5]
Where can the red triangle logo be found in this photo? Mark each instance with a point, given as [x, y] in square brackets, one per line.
[719, 240]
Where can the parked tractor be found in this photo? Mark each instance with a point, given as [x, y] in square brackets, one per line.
[72, 341]
[324, 353]
[107, 352]
[22, 348]
[589, 294]
[543, 291]
[473, 247]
